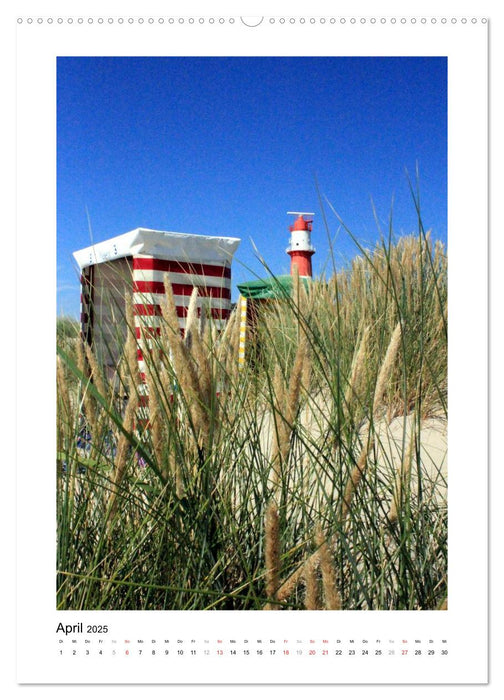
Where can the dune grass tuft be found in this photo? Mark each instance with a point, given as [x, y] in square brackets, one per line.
[302, 480]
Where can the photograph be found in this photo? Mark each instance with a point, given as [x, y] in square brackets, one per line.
[252, 333]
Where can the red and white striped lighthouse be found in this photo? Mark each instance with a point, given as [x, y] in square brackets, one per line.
[300, 248]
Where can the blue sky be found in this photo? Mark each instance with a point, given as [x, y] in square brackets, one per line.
[226, 146]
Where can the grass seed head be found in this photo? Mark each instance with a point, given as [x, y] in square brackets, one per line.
[272, 552]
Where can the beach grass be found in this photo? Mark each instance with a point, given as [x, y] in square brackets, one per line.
[303, 479]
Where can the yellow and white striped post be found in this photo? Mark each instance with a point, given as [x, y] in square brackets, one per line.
[243, 330]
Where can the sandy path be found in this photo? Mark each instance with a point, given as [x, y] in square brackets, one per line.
[429, 459]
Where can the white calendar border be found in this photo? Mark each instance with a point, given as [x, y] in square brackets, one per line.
[464, 46]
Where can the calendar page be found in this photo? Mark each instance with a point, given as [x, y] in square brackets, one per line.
[239, 468]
